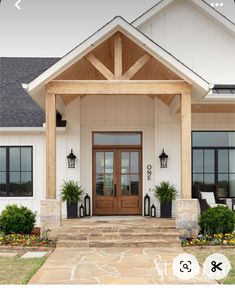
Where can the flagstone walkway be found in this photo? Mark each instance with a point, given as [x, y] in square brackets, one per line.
[112, 266]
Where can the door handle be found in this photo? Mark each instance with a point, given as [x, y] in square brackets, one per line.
[115, 190]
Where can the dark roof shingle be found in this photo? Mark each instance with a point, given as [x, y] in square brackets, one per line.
[224, 89]
[17, 108]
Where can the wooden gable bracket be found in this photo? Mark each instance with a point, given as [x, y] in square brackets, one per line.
[175, 105]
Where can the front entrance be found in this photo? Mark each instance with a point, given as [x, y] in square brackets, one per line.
[117, 181]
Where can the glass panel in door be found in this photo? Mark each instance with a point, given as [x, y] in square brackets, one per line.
[104, 173]
[130, 173]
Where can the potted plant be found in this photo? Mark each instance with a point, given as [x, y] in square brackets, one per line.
[165, 193]
[71, 192]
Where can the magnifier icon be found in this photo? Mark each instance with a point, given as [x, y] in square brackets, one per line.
[185, 266]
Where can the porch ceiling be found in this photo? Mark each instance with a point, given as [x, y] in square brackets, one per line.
[117, 58]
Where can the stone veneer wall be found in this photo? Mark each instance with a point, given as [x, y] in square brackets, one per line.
[187, 214]
[50, 217]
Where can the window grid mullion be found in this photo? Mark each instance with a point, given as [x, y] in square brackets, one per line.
[7, 172]
[20, 166]
[228, 171]
[203, 163]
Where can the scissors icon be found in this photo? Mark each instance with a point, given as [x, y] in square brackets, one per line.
[216, 266]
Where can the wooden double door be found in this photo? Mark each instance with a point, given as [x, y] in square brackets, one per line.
[117, 181]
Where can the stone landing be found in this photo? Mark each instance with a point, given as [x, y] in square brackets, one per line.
[125, 231]
[113, 266]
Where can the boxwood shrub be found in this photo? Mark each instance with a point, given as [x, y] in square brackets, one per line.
[14, 219]
[217, 220]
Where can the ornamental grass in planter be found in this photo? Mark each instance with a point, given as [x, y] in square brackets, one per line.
[165, 193]
[71, 192]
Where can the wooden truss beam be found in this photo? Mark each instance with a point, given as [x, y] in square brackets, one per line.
[136, 67]
[118, 56]
[115, 87]
[100, 66]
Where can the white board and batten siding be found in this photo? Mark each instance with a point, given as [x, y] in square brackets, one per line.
[36, 140]
[65, 142]
[196, 39]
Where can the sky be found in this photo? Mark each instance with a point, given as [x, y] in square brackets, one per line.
[51, 28]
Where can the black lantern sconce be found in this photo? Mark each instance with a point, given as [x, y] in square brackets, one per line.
[163, 159]
[81, 211]
[87, 205]
[153, 211]
[146, 205]
[71, 159]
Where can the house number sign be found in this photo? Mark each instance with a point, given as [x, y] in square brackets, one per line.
[149, 172]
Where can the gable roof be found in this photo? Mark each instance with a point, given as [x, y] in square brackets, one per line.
[17, 109]
[36, 88]
[201, 4]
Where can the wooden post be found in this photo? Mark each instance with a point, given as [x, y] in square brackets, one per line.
[186, 172]
[50, 146]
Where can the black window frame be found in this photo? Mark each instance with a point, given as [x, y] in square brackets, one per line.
[20, 171]
[215, 149]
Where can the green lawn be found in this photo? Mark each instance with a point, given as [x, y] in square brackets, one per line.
[15, 270]
[202, 252]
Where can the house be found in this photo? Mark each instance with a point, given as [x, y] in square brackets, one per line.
[165, 81]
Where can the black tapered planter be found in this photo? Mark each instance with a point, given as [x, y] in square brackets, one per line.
[166, 209]
[72, 210]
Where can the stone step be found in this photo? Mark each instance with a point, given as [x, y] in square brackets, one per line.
[119, 232]
[170, 236]
[123, 220]
[117, 229]
[117, 243]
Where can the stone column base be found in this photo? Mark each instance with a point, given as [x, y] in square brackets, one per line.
[50, 218]
[187, 213]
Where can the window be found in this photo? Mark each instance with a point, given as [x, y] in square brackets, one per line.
[16, 171]
[213, 139]
[213, 160]
[117, 138]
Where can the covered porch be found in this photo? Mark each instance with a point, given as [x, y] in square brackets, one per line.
[119, 62]
[130, 76]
